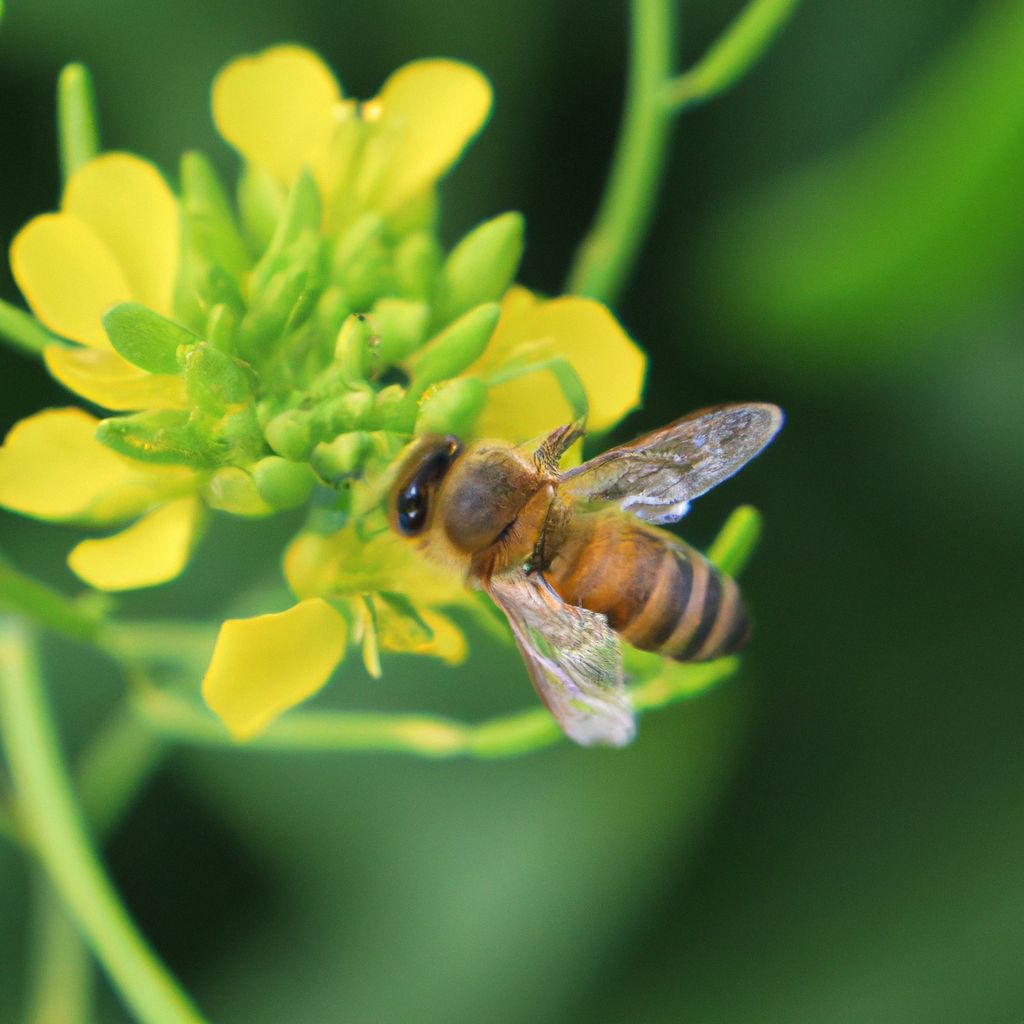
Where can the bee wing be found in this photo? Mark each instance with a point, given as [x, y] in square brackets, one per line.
[657, 476]
[573, 657]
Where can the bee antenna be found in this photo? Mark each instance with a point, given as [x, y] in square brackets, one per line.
[549, 452]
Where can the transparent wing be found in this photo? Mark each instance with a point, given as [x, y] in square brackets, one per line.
[657, 476]
[574, 660]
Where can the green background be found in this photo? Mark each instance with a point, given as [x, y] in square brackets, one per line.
[838, 834]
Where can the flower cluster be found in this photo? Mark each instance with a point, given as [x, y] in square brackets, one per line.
[281, 349]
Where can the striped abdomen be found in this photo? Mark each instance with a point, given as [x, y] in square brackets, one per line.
[658, 593]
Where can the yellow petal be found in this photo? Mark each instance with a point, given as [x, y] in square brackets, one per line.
[129, 206]
[105, 378]
[52, 467]
[343, 564]
[422, 120]
[394, 634]
[583, 332]
[68, 276]
[278, 109]
[267, 664]
[523, 408]
[153, 550]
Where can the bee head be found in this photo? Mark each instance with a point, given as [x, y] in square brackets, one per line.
[484, 493]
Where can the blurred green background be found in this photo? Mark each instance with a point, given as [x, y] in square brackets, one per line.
[838, 835]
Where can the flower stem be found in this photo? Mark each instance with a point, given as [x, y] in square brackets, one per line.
[77, 126]
[54, 823]
[60, 989]
[21, 330]
[429, 736]
[732, 55]
[607, 253]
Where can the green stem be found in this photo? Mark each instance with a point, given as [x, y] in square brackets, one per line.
[23, 595]
[77, 128]
[607, 253]
[731, 56]
[22, 331]
[176, 718]
[60, 989]
[55, 825]
[736, 540]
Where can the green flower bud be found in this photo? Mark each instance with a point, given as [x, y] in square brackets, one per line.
[222, 327]
[451, 407]
[401, 326]
[394, 410]
[343, 457]
[210, 227]
[341, 414]
[261, 203]
[271, 311]
[455, 348]
[281, 483]
[332, 310]
[290, 435]
[300, 218]
[146, 339]
[159, 435]
[240, 436]
[365, 233]
[481, 267]
[215, 380]
[417, 263]
[233, 490]
[353, 348]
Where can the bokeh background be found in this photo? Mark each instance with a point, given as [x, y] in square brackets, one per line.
[838, 834]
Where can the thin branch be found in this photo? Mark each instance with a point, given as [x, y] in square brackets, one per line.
[607, 253]
[22, 331]
[177, 718]
[731, 56]
[54, 822]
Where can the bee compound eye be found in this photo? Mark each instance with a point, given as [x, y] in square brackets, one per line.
[412, 509]
[412, 504]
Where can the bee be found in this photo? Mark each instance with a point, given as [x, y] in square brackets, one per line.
[576, 559]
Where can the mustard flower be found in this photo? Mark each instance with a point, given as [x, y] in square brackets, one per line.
[282, 351]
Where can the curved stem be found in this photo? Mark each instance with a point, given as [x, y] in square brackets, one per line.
[607, 253]
[430, 736]
[60, 989]
[55, 825]
[21, 330]
[732, 55]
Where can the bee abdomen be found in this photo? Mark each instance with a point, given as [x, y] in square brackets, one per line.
[658, 594]
[692, 613]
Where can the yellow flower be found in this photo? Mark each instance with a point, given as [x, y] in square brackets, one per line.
[376, 591]
[584, 334]
[52, 467]
[115, 239]
[283, 110]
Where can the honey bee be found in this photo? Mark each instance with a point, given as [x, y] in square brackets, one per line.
[575, 559]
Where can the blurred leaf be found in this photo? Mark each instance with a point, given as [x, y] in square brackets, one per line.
[866, 255]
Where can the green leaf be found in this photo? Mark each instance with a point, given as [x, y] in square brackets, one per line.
[146, 339]
[481, 267]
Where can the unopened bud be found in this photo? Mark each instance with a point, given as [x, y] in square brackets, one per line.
[281, 483]
[455, 348]
[451, 407]
[481, 267]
